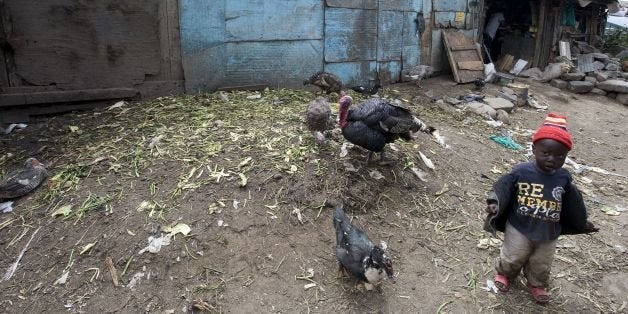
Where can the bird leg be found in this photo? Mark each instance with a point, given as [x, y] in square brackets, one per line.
[369, 158]
[341, 271]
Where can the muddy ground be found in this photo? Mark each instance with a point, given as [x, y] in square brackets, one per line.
[246, 177]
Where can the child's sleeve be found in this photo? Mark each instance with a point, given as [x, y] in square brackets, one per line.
[573, 215]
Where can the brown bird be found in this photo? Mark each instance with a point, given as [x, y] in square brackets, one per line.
[327, 82]
[22, 181]
[318, 119]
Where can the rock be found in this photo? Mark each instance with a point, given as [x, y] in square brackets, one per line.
[622, 54]
[502, 116]
[600, 56]
[499, 103]
[611, 66]
[580, 87]
[611, 95]
[624, 66]
[559, 83]
[598, 92]
[624, 75]
[614, 86]
[622, 99]
[481, 109]
[591, 79]
[600, 76]
[597, 65]
[573, 76]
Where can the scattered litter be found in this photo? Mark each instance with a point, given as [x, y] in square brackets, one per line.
[223, 96]
[507, 142]
[536, 104]
[488, 242]
[74, 129]
[155, 141]
[419, 173]
[496, 170]
[87, 247]
[64, 211]
[309, 285]
[63, 279]
[297, 212]
[118, 105]
[235, 203]
[443, 190]
[427, 161]
[254, 96]
[343, 150]
[494, 124]
[581, 168]
[13, 126]
[440, 139]
[490, 286]
[243, 180]
[376, 175]
[181, 228]
[6, 207]
[11, 270]
[471, 97]
[610, 211]
[349, 167]
[221, 223]
[155, 244]
[137, 277]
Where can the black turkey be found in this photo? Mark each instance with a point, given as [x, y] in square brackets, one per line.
[377, 122]
[22, 181]
[318, 118]
[367, 91]
[327, 82]
[356, 253]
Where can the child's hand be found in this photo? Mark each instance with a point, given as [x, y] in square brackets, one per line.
[491, 208]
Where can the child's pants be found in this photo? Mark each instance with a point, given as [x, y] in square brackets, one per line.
[535, 257]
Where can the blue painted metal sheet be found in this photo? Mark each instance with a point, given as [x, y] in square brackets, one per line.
[280, 63]
[354, 73]
[411, 46]
[445, 19]
[202, 25]
[449, 5]
[390, 35]
[391, 71]
[350, 34]
[354, 4]
[260, 20]
[401, 5]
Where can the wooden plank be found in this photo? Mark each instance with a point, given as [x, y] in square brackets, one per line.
[91, 44]
[20, 99]
[471, 65]
[466, 64]
[170, 43]
[463, 47]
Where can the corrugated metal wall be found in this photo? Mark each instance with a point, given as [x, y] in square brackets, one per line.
[282, 42]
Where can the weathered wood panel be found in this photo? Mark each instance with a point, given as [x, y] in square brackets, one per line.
[256, 20]
[84, 44]
[358, 44]
[463, 57]
[170, 41]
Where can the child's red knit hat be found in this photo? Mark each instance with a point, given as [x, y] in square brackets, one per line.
[554, 127]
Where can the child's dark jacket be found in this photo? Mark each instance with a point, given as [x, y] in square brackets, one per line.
[573, 216]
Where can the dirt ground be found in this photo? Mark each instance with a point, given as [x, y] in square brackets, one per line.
[245, 176]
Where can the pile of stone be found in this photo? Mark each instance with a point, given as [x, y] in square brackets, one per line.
[608, 78]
